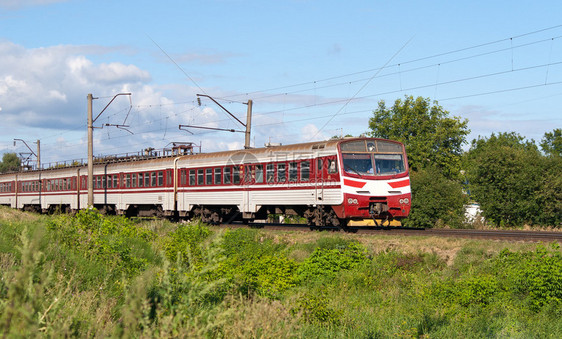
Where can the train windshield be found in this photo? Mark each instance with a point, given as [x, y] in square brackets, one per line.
[372, 157]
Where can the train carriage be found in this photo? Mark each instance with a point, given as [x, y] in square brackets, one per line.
[327, 182]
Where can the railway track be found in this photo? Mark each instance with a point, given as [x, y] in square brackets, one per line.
[508, 235]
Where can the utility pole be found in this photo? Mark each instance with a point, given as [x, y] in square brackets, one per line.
[90, 153]
[91, 144]
[248, 124]
[37, 155]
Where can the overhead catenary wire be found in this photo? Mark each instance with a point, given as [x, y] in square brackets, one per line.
[401, 72]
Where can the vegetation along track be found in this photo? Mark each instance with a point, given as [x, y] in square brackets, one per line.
[510, 235]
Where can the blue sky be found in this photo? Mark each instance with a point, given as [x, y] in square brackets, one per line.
[313, 69]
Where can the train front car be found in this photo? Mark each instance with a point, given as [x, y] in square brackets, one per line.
[375, 180]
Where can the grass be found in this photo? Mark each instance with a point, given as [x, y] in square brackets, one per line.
[94, 276]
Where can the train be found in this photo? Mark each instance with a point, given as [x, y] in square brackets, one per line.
[329, 183]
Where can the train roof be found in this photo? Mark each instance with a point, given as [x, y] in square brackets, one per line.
[309, 147]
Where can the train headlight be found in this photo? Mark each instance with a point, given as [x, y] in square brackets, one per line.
[404, 201]
[352, 201]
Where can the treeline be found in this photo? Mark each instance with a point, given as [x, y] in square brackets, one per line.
[514, 181]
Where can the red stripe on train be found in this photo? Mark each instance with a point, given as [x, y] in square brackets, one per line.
[353, 183]
[398, 184]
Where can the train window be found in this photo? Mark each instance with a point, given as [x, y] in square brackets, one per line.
[388, 164]
[305, 171]
[270, 173]
[134, 180]
[183, 177]
[332, 166]
[127, 180]
[103, 182]
[385, 146]
[353, 146]
[236, 175]
[357, 163]
[200, 177]
[293, 173]
[226, 176]
[160, 178]
[217, 176]
[115, 181]
[319, 165]
[259, 174]
[109, 182]
[191, 177]
[209, 176]
[153, 179]
[147, 179]
[281, 173]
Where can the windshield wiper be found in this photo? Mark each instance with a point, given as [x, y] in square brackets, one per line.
[346, 167]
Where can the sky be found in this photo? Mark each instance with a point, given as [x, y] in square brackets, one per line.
[313, 69]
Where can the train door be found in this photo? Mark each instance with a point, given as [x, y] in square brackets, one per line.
[319, 180]
[247, 176]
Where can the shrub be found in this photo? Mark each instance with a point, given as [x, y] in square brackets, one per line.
[114, 240]
[535, 276]
[435, 200]
[186, 242]
[325, 263]
[316, 309]
[268, 276]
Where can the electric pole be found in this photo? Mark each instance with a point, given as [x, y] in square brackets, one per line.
[91, 144]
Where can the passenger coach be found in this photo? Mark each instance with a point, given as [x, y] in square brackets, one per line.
[327, 182]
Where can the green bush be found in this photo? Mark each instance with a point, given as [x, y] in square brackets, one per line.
[316, 309]
[436, 200]
[186, 242]
[323, 264]
[534, 276]
[115, 241]
[267, 276]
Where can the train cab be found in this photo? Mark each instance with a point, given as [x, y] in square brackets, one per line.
[375, 179]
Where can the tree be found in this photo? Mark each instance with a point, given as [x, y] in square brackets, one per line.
[506, 176]
[10, 163]
[431, 137]
[436, 200]
[551, 143]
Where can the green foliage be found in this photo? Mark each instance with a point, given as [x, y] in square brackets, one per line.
[506, 177]
[267, 276]
[431, 137]
[535, 276]
[176, 301]
[551, 144]
[436, 200]
[255, 264]
[186, 241]
[114, 240]
[323, 264]
[243, 284]
[470, 291]
[316, 309]
[10, 163]
[549, 198]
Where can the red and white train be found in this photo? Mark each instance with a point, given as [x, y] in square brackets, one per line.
[327, 182]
